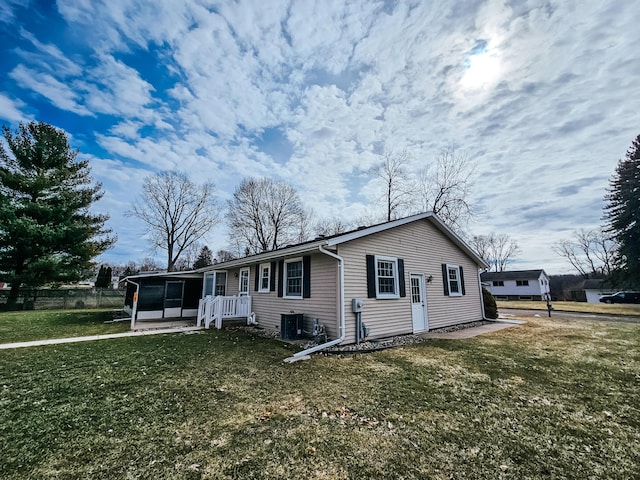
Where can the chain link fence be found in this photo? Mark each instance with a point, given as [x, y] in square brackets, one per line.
[67, 298]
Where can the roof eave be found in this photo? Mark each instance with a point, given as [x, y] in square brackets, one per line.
[264, 257]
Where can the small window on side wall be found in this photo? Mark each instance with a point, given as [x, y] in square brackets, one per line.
[453, 280]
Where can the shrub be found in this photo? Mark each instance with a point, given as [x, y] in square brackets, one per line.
[490, 307]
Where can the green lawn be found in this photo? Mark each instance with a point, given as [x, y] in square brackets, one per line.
[551, 399]
[582, 307]
[44, 324]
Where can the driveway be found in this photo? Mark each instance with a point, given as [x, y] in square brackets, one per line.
[512, 312]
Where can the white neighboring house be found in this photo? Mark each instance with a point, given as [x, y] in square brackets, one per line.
[517, 285]
[595, 288]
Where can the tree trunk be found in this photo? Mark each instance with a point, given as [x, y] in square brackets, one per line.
[12, 300]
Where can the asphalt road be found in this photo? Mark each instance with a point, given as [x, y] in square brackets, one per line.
[577, 315]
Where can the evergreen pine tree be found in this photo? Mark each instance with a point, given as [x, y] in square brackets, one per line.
[622, 213]
[205, 258]
[47, 233]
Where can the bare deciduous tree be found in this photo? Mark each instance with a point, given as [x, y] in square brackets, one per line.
[590, 252]
[482, 245]
[445, 187]
[331, 226]
[224, 256]
[497, 249]
[264, 215]
[397, 182]
[176, 211]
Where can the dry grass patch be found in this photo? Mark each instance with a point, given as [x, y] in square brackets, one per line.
[582, 307]
[551, 399]
[25, 326]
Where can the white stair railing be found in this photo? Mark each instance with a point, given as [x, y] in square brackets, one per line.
[214, 309]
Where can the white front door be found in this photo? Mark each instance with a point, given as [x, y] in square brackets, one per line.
[243, 288]
[418, 303]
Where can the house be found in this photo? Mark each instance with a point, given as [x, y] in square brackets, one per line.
[593, 289]
[517, 285]
[405, 276]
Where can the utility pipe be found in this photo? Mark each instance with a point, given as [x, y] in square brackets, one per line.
[134, 308]
[343, 329]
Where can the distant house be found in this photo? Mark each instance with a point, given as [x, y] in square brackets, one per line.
[594, 289]
[517, 285]
[408, 275]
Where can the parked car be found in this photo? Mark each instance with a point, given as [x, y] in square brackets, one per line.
[621, 297]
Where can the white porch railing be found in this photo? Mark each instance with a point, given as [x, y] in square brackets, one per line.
[215, 309]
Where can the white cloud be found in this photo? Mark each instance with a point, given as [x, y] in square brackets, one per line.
[10, 110]
[339, 80]
[117, 89]
[62, 95]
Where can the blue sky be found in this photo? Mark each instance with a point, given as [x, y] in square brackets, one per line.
[542, 95]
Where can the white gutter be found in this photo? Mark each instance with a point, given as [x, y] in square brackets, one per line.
[343, 328]
[134, 308]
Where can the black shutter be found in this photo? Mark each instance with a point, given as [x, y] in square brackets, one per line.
[256, 284]
[280, 277]
[272, 277]
[445, 279]
[371, 276]
[306, 276]
[401, 284]
[462, 281]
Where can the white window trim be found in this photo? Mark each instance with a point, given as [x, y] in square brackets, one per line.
[458, 280]
[396, 283]
[261, 269]
[284, 279]
[240, 292]
[204, 284]
[215, 280]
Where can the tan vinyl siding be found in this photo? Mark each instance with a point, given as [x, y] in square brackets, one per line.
[424, 249]
[323, 303]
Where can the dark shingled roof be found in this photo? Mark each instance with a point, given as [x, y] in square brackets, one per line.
[513, 275]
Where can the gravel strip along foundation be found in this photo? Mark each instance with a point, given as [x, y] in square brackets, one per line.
[370, 345]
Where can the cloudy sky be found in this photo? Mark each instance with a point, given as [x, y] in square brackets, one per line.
[542, 95]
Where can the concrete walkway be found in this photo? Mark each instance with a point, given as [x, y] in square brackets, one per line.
[475, 331]
[56, 341]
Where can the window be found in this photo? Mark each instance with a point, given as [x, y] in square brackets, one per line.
[264, 278]
[386, 277]
[243, 287]
[221, 283]
[498, 283]
[454, 280]
[208, 284]
[522, 283]
[214, 284]
[293, 278]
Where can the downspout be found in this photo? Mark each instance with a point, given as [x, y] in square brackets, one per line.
[134, 308]
[343, 329]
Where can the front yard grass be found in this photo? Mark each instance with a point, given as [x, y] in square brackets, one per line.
[550, 399]
[30, 325]
[582, 307]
